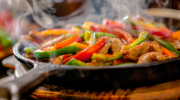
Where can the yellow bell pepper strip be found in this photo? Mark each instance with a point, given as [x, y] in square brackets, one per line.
[142, 37]
[166, 44]
[39, 54]
[121, 34]
[57, 32]
[80, 45]
[66, 42]
[90, 37]
[167, 52]
[125, 64]
[107, 57]
[77, 28]
[87, 53]
[29, 49]
[76, 62]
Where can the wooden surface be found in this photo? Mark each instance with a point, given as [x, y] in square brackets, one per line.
[168, 90]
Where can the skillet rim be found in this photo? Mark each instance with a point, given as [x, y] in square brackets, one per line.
[144, 65]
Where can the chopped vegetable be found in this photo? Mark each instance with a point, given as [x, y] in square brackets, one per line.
[90, 37]
[87, 53]
[97, 34]
[101, 57]
[167, 52]
[57, 32]
[29, 49]
[121, 34]
[152, 28]
[167, 45]
[176, 35]
[142, 37]
[39, 54]
[75, 62]
[66, 42]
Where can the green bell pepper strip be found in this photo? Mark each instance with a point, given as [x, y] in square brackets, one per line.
[76, 62]
[56, 52]
[166, 45]
[101, 57]
[126, 64]
[142, 37]
[5, 39]
[29, 49]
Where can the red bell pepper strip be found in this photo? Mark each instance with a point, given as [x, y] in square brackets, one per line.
[167, 52]
[113, 24]
[87, 53]
[66, 42]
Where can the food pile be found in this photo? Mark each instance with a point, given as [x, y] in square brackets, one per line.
[113, 43]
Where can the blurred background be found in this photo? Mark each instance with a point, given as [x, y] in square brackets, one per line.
[19, 17]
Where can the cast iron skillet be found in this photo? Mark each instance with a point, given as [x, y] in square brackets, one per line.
[113, 77]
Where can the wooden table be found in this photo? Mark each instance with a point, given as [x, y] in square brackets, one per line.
[168, 90]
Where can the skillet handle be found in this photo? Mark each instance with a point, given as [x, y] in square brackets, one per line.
[28, 81]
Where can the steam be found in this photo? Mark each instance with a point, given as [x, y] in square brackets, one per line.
[91, 10]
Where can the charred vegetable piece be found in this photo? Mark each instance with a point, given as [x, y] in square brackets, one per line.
[29, 49]
[142, 37]
[56, 52]
[87, 53]
[126, 63]
[101, 57]
[66, 42]
[167, 45]
[75, 62]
